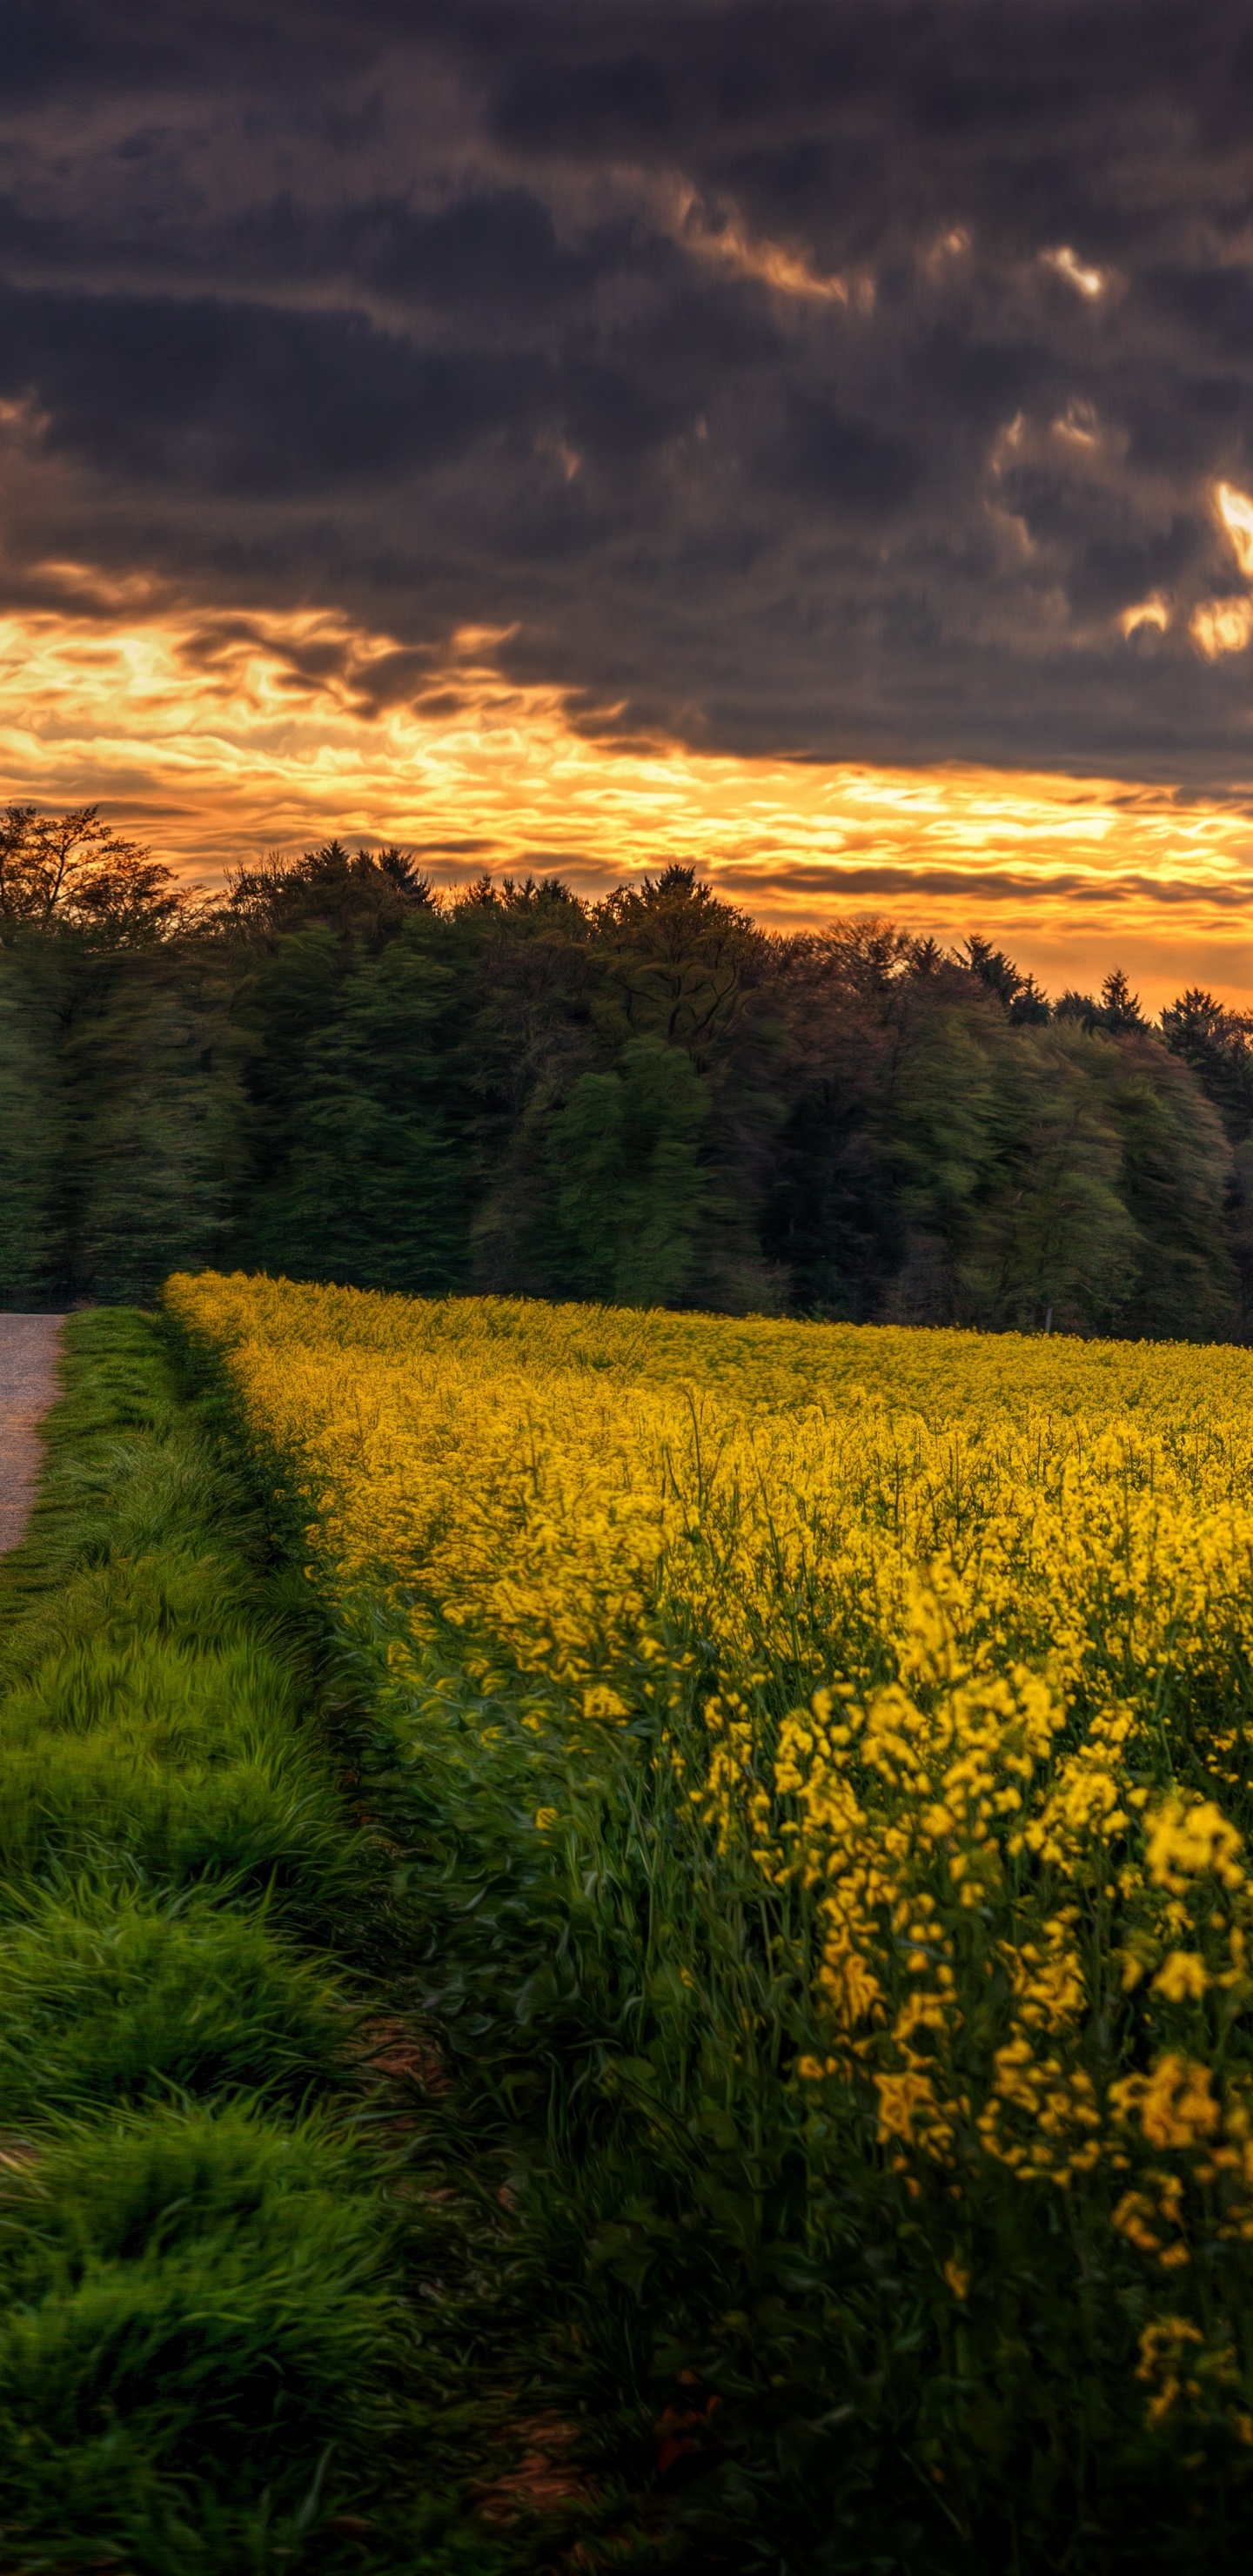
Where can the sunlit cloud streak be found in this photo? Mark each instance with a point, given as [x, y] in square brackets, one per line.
[727, 238]
[1235, 509]
[218, 734]
[1089, 282]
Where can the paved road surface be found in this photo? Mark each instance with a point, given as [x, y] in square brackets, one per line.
[28, 1385]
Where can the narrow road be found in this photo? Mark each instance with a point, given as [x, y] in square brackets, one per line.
[28, 1386]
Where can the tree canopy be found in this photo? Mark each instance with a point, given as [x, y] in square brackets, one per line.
[331, 1070]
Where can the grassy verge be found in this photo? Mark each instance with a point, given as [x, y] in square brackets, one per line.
[215, 2219]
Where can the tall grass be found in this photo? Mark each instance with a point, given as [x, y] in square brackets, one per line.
[211, 2229]
[195, 2304]
[115, 1994]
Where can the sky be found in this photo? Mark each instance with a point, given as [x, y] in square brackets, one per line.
[811, 441]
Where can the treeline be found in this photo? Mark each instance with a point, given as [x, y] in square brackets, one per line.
[334, 1072]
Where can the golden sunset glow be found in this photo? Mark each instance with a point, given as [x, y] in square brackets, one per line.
[1235, 509]
[218, 735]
[1222, 626]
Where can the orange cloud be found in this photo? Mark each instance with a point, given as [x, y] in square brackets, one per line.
[1235, 509]
[1222, 626]
[789, 272]
[219, 734]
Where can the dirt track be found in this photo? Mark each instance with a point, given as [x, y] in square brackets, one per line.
[28, 1385]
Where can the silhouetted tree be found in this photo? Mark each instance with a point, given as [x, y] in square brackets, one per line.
[1081, 1009]
[1019, 995]
[1120, 1010]
[1215, 1043]
[71, 871]
[364, 895]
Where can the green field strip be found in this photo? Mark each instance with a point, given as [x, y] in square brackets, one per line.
[213, 2220]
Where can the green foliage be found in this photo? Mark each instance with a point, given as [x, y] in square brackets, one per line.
[120, 1111]
[628, 1186]
[1057, 1240]
[612, 2010]
[1215, 1043]
[1175, 1170]
[331, 1072]
[363, 1157]
[110, 1803]
[1051, 1176]
[31, 1142]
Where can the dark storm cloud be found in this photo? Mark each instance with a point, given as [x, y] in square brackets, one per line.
[244, 398]
[828, 379]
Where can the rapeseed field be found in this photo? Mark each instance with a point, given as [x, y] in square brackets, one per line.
[822, 1758]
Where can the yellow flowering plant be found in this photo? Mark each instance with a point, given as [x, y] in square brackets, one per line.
[843, 1737]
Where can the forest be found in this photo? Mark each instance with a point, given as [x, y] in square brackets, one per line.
[332, 1071]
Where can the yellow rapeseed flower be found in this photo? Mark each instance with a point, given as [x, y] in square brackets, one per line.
[941, 1642]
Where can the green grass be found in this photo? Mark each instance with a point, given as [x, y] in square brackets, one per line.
[197, 2303]
[113, 1995]
[114, 1802]
[213, 2230]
